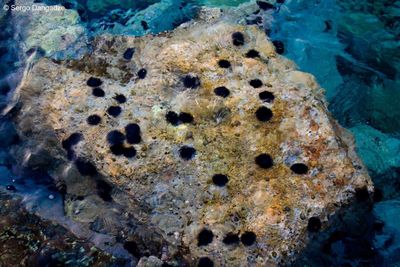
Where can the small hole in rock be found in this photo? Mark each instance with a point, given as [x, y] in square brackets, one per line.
[314, 224]
[114, 111]
[98, 92]
[238, 38]
[220, 179]
[93, 120]
[231, 239]
[222, 91]
[248, 238]
[252, 54]
[266, 96]
[94, 82]
[264, 161]
[264, 114]
[115, 137]
[142, 73]
[224, 63]
[185, 117]
[205, 237]
[256, 83]
[187, 152]
[120, 98]
[299, 168]
[191, 81]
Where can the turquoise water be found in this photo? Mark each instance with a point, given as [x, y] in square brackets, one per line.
[352, 47]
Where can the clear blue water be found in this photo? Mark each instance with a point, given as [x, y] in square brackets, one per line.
[352, 47]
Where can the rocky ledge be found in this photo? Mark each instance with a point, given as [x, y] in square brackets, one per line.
[200, 146]
[27, 240]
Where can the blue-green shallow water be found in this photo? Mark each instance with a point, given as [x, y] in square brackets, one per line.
[352, 47]
[353, 50]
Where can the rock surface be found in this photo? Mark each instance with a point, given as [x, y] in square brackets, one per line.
[55, 30]
[283, 165]
[27, 240]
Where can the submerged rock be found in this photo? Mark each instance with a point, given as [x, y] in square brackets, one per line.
[387, 233]
[286, 164]
[56, 32]
[27, 240]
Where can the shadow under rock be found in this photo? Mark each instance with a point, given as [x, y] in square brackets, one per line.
[348, 240]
